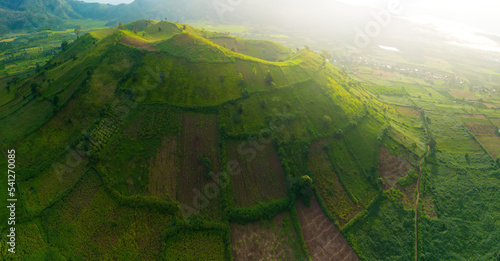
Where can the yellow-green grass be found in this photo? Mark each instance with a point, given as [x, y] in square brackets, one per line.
[329, 187]
[491, 143]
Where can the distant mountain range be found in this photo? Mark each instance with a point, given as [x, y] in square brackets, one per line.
[48, 14]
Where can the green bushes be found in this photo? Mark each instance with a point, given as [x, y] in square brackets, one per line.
[408, 179]
[260, 211]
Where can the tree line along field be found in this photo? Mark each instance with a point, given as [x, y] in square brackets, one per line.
[325, 168]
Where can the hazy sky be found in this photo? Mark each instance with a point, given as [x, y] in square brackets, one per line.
[482, 14]
[113, 2]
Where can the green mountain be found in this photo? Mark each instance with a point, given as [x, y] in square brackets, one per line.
[160, 141]
[33, 14]
[122, 130]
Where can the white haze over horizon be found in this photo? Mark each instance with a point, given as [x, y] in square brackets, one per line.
[463, 23]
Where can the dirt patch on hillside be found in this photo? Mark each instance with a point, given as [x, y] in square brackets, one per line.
[323, 239]
[258, 241]
[391, 167]
[138, 43]
[163, 170]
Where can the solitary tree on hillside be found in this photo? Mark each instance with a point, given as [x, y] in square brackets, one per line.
[120, 26]
[77, 32]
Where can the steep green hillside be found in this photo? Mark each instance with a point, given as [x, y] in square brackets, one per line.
[151, 139]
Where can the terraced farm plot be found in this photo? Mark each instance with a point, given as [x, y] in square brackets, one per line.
[391, 167]
[199, 149]
[478, 124]
[261, 178]
[323, 239]
[265, 240]
[353, 177]
[491, 144]
[450, 134]
[162, 181]
[329, 186]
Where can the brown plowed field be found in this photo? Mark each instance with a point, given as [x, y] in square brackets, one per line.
[198, 139]
[261, 179]
[323, 239]
[163, 170]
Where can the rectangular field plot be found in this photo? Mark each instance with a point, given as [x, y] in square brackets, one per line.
[491, 144]
[326, 180]
[450, 134]
[261, 178]
[162, 177]
[199, 150]
[194, 246]
[478, 124]
[273, 239]
[89, 225]
[352, 176]
[323, 239]
[37, 192]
